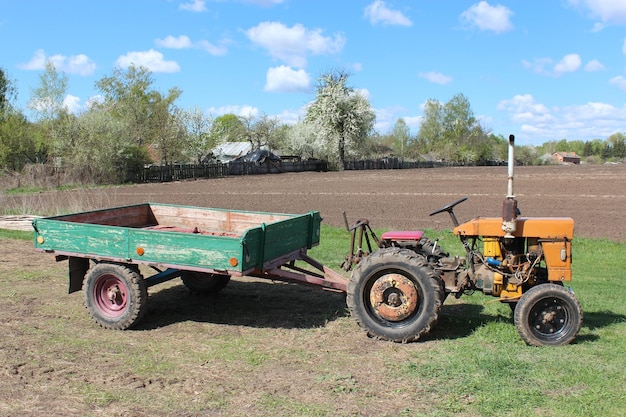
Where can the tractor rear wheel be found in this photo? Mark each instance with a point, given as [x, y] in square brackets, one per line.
[204, 282]
[548, 315]
[394, 295]
[116, 296]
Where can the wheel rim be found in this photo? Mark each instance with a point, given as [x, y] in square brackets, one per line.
[549, 318]
[111, 295]
[393, 297]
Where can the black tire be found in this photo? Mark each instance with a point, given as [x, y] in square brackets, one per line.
[431, 250]
[205, 283]
[548, 315]
[116, 296]
[393, 295]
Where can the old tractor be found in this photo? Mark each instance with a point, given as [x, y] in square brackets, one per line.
[397, 290]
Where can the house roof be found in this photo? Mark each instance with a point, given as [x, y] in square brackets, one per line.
[233, 149]
[567, 154]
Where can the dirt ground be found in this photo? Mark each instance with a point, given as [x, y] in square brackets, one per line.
[258, 347]
[593, 195]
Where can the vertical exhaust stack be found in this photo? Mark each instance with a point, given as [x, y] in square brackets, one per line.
[509, 205]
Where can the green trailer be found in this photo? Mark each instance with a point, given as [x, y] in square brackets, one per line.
[205, 247]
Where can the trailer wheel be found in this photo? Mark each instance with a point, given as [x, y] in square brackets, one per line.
[548, 315]
[394, 295]
[116, 296]
[205, 283]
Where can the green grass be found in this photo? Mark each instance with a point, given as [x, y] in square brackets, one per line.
[473, 363]
[15, 234]
[479, 365]
[34, 190]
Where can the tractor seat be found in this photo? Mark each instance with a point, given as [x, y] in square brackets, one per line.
[403, 235]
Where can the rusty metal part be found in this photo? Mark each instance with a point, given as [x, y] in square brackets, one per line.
[394, 297]
[360, 231]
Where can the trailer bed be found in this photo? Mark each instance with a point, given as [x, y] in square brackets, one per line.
[191, 238]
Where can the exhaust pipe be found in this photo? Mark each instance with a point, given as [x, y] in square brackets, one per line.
[509, 205]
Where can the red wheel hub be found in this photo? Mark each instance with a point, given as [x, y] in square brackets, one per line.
[110, 295]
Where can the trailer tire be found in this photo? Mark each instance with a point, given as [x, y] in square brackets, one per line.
[116, 295]
[204, 282]
[548, 315]
[394, 295]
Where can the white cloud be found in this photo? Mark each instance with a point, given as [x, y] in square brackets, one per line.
[569, 63]
[265, 3]
[378, 12]
[436, 77]
[94, 100]
[195, 6]
[243, 111]
[72, 103]
[76, 64]
[293, 44]
[487, 17]
[173, 42]
[584, 122]
[284, 79]
[291, 117]
[152, 60]
[594, 65]
[619, 82]
[413, 122]
[216, 50]
[524, 109]
[608, 11]
[183, 42]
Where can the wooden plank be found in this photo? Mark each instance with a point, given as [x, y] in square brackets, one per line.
[190, 237]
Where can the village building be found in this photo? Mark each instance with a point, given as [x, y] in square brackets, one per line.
[567, 157]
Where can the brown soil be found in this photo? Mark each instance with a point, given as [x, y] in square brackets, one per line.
[595, 196]
[258, 348]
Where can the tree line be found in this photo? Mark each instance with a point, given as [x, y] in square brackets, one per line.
[131, 124]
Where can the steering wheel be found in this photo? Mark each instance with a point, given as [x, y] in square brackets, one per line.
[449, 207]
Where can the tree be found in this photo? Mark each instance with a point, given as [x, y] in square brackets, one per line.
[262, 132]
[401, 135]
[227, 128]
[617, 142]
[451, 131]
[431, 127]
[17, 146]
[47, 99]
[129, 96]
[342, 116]
[8, 93]
[302, 140]
[198, 130]
[47, 103]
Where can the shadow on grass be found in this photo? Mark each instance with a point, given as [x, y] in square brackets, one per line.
[461, 320]
[278, 305]
[254, 304]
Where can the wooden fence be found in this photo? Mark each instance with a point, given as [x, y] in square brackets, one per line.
[179, 172]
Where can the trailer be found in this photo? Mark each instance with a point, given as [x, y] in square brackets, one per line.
[204, 247]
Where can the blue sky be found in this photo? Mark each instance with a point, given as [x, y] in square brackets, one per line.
[540, 69]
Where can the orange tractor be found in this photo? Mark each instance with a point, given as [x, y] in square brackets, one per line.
[397, 291]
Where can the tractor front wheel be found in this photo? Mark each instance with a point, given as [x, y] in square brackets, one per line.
[548, 315]
[116, 296]
[394, 295]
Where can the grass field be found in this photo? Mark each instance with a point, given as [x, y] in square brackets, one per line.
[199, 359]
